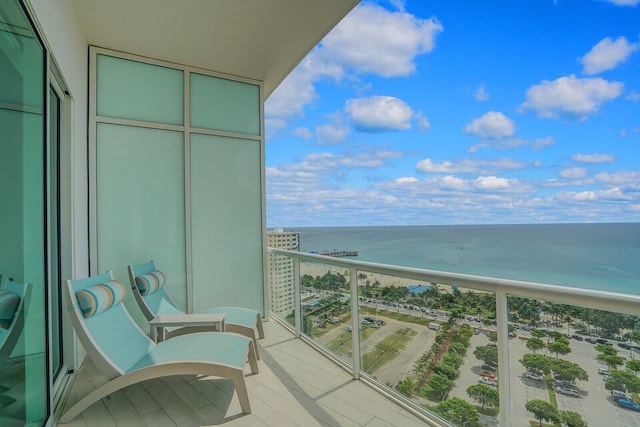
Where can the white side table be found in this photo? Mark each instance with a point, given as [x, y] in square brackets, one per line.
[181, 320]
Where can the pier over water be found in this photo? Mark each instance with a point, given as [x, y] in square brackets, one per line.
[336, 253]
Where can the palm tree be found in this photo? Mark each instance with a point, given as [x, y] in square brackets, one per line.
[362, 277]
[406, 386]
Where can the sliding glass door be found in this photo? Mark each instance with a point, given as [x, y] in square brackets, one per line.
[24, 393]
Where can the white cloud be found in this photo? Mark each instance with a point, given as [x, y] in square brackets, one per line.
[573, 173]
[302, 132]
[423, 122]
[624, 2]
[593, 195]
[493, 125]
[331, 165]
[624, 178]
[570, 96]
[511, 143]
[331, 133]
[406, 179]
[540, 143]
[273, 125]
[469, 166]
[379, 114]
[633, 96]
[491, 183]
[607, 54]
[594, 158]
[370, 40]
[374, 40]
[481, 94]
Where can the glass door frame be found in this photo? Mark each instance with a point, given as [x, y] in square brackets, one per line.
[61, 190]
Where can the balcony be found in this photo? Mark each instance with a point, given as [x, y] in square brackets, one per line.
[317, 370]
[296, 386]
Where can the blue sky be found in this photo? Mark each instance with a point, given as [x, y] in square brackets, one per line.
[461, 112]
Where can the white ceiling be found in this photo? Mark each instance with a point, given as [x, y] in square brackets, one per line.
[257, 39]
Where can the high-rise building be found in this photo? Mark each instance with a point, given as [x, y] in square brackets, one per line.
[281, 273]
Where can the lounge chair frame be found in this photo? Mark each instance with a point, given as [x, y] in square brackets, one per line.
[120, 378]
[242, 329]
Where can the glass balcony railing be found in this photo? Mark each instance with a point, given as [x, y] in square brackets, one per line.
[470, 350]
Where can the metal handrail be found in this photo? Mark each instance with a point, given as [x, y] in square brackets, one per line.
[600, 300]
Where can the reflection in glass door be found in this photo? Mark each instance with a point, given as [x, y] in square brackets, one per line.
[23, 247]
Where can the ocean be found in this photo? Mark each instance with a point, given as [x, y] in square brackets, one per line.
[592, 256]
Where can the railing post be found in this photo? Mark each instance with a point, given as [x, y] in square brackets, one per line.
[355, 323]
[298, 300]
[502, 330]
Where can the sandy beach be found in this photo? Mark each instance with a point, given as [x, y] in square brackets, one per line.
[384, 280]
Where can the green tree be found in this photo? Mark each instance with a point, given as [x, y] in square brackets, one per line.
[406, 386]
[542, 411]
[536, 362]
[440, 385]
[559, 347]
[555, 335]
[606, 349]
[458, 348]
[572, 419]
[568, 370]
[486, 353]
[447, 370]
[453, 359]
[459, 411]
[612, 360]
[534, 344]
[538, 333]
[483, 394]
[634, 365]
[623, 380]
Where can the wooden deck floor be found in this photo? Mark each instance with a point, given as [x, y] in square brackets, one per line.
[296, 386]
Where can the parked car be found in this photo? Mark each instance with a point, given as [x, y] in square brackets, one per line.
[487, 374]
[577, 337]
[624, 345]
[566, 390]
[488, 368]
[488, 381]
[591, 340]
[604, 371]
[618, 394]
[333, 320]
[629, 404]
[534, 376]
[602, 341]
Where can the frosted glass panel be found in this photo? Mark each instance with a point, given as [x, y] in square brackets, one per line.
[226, 220]
[140, 203]
[137, 91]
[226, 105]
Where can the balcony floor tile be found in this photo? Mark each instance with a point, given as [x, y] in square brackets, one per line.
[296, 387]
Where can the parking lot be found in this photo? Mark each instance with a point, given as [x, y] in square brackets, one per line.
[594, 403]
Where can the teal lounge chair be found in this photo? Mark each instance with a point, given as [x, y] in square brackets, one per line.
[126, 355]
[147, 283]
[13, 299]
